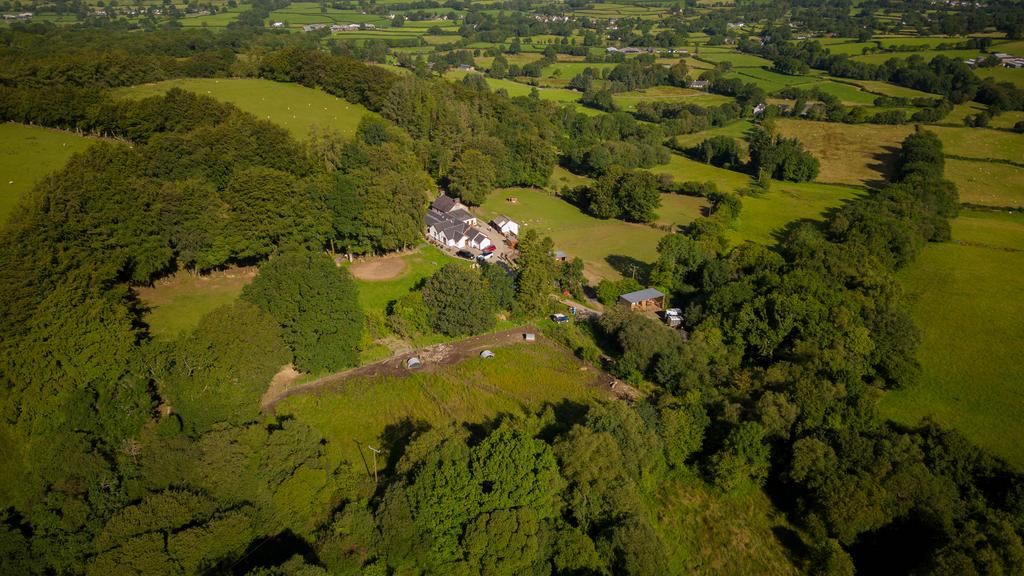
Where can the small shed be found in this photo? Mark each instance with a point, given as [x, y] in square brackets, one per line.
[646, 299]
[529, 337]
[505, 225]
[559, 255]
[487, 354]
[413, 363]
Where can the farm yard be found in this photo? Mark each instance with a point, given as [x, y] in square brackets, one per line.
[290, 106]
[29, 153]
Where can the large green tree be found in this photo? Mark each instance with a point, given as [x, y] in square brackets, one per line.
[316, 303]
[458, 302]
[472, 177]
[218, 372]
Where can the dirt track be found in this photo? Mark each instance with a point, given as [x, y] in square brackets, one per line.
[434, 357]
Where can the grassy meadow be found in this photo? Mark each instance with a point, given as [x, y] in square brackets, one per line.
[27, 154]
[765, 215]
[981, 143]
[855, 154]
[599, 243]
[358, 412]
[291, 106]
[178, 302]
[968, 300]
[987, 183]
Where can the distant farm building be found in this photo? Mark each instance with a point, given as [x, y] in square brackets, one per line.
[505, 225]
[646, 299]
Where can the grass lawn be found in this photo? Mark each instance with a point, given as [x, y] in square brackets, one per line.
[291, 106]
[176, 303]
[682, 169]
[857, 154]
[968, 299]
[987, 183]
[1007, 120]
[768, 80]
[27, 153]
[376, 295]
[595, 241]
[359, 411]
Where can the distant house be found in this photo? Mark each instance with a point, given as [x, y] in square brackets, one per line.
[446, 203]
[277, 25]
[344, 27]
[759, 109]
[467, 68]
[505, 225]
[313, 27]
[559, 255]
[699, 84]
[646, 299]
[462, 215]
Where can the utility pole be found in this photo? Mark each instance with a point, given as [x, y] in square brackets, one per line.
[375, 452]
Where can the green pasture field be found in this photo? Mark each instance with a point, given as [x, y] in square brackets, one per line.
[1006, 120]
[27, 154]
[577, 234]
[767, 214]
[1015, 47]
[291, 106]
[968, 300]
[927, 55]
[629, 100]
[1013, 75]
[177, 303]
[310, 13]
[355, 413]
[851, 48]
[678, 210]
[519, 89]
[375, 295]
[960, 112]
[738, 59]
[855, 154]
[770, 81]
[930, 41]
[736, 129]
[987, 183]
[981, 143]
[851, 95]
[885, 88]
[567, 70]
[218, 20]
[562, 177]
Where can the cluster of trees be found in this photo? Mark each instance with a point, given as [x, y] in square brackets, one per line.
[779, 157]
[815, 104]
[682, 118]
[805, 336]
[631, 195]
[721, 151]
[592, 144]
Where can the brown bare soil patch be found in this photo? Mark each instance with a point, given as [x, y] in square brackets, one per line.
[379, 269]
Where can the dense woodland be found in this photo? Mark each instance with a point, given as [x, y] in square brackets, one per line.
[128, 455]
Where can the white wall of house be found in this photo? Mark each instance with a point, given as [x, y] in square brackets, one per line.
[510, 227]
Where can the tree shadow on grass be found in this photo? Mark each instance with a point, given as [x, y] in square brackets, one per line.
[630, 267]
[884, 164]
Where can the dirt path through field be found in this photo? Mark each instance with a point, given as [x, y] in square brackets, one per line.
[434, 357]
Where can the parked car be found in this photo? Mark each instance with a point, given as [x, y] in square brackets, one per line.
[560, 318]
[464, 254]
[490, 248]
[486, 256]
